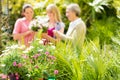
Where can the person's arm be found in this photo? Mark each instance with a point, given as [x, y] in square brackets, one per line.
[62, 36]
[18, 36]
[78, 30]
[62, 25]
[61, 30]
[49, 38]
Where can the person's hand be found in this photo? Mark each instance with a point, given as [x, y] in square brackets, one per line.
[40, 26]
[43, 35]
[56, 33]
[29, 32]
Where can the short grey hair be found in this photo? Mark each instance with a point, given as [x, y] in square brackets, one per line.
[75, 8]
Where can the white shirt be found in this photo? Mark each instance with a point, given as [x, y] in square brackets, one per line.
[72, 25]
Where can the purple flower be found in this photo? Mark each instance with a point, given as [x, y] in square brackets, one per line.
[14, 63]
[56, 71]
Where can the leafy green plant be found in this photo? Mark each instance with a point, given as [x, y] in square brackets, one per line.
[99, 64]
[68, 63]
[103, 30]
[13, 63]
[97, 6]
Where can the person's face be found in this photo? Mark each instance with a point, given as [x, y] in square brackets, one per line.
[70, 15]
[50, 14]
[29, 13]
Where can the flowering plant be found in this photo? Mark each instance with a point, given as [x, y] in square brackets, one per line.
[31, 63]
[12, 64]
[40, 59]
[43, 21]
[35, 25]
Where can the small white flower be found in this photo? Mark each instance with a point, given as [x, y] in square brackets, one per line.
[28, 75]
[2, 65]
[22, 47]
[25, 51]
[40, 50]
[28, 49]
[53, 47]
[31, 47]
[41, 42]
[51, 43]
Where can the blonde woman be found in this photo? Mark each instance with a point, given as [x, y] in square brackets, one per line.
[55, 22]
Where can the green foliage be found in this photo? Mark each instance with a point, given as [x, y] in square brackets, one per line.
[13, 63]
[100, 56]
[0, 27]
[68, 63]
[99, 64]
[104, 30]
[36, 61]
[97, 6]
[117, 7]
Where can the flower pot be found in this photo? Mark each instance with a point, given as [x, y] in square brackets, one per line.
[51, 78]
[11, 76]
[41, 79]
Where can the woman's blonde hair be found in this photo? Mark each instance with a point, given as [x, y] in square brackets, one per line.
[53, 9]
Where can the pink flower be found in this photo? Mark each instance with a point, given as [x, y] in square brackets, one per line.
[37, 67]
[20, 65]
[24, 56]
[3, 76]
[47, 53]
[56, 71]
[31, 61]
[16, 74]
[14, 63]
[53, 57]
[17, 77]
[49, 56]
[35, 56]
[38, 55]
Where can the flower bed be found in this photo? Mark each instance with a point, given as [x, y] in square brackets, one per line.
[33, 63]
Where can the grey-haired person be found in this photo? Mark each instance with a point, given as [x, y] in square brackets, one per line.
[77, 28]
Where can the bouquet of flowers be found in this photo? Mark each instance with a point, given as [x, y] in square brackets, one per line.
[43, 21]
[35, 25]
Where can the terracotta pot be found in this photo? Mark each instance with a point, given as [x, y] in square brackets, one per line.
[41, 79]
